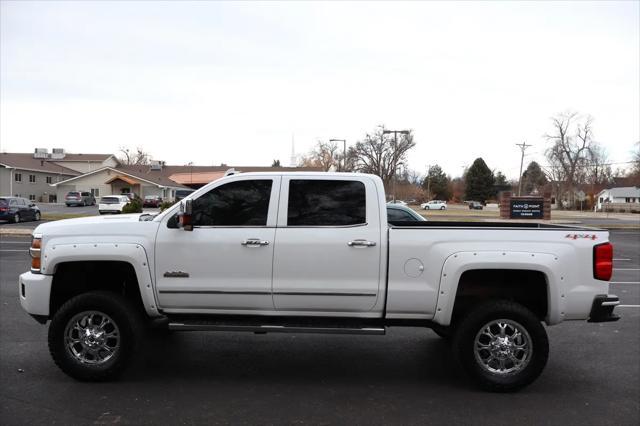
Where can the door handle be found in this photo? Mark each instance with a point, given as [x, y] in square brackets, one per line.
[361, 243]
[254, 242]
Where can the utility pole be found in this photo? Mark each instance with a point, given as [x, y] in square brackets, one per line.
[523, 147]
[344, 154]
[428, 182]
[395, 141]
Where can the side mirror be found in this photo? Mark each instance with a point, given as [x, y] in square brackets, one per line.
[185, 215]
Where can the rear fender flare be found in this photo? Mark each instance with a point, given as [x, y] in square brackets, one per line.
[458, 263]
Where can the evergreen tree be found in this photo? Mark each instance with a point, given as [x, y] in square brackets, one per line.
[437, 183]
[533, 178]
[479, 182]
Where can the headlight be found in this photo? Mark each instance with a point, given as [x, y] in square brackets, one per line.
[34, 251]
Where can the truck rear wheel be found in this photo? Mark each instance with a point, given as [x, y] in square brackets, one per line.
[92, 336]
[502, 345]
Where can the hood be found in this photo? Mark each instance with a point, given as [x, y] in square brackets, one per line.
[121, 224]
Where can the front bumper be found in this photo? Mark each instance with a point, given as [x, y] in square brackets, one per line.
[34, 291]
[602, 308]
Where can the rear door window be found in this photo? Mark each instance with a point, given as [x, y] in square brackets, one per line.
[326, 203]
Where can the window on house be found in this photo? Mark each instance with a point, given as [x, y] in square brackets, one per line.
[32, 178]
[32, 197]
[49, 179]
[627, 199]
[95, 192]
[17, 177]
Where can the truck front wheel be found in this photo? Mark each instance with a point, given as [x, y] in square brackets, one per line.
[92, 336]
[502, 345]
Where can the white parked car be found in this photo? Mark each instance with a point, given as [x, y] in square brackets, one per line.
[398, 202]
[112, 204]
[434, 205]
[313, 252]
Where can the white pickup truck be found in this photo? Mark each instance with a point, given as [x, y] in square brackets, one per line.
[312, 252]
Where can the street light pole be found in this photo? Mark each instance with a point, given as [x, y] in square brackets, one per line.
[344, 154]
[523, 146]
[395, 141]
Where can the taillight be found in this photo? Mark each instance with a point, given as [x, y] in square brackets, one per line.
[34, 251]
[603, 261]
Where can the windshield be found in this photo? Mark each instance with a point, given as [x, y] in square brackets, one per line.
[3, 202]
[109, 200]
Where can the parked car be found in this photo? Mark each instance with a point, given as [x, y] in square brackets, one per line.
[302, 252]
[434, 205]
[475, 205]
[398, 202]
[77, 198]
[132, 196]
[152, 201]
[17, 209]
[398, 212]
[112, 204]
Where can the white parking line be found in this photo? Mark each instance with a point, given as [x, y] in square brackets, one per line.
[626, 269]
[23, 250]
[15, 242]
[624, 282]
[622, 260]
[628, 306]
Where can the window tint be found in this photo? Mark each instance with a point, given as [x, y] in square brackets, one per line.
[326, 203]
[395, 214]
[240, 203]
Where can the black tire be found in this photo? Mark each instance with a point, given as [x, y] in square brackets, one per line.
[116, 308]
[36, 217]
[442, 208]
[16, 218]
[470, 327]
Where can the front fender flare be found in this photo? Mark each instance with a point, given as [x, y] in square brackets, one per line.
[131, 253]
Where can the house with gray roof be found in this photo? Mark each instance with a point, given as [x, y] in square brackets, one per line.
[30, 175]
[619, 198]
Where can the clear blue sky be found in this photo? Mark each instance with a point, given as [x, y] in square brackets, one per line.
[213, 82]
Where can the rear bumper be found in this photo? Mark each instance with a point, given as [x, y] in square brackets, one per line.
[34, 291]
[602, 308]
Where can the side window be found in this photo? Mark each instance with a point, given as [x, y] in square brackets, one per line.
[240, 203]
[326, 203]
[13, 202]
[393, 215]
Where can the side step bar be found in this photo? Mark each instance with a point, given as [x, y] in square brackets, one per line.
[203, 326]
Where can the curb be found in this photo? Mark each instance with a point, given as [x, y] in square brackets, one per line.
[16, 231]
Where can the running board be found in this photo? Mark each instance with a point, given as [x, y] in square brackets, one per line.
[203, 326]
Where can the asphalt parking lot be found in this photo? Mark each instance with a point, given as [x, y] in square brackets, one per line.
[406, 377]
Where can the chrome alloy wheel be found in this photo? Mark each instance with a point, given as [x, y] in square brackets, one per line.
[503, 347]
[92, 337]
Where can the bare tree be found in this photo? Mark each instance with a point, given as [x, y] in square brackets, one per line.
[134, 157]
[570, 149]
[381, 154]
[324, 155]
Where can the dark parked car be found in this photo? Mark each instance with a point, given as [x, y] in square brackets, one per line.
[152, 201]
[16, 209]
[475, 205]
[77, 198]
[398, 212]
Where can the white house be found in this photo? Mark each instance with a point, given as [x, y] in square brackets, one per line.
[625, 196]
